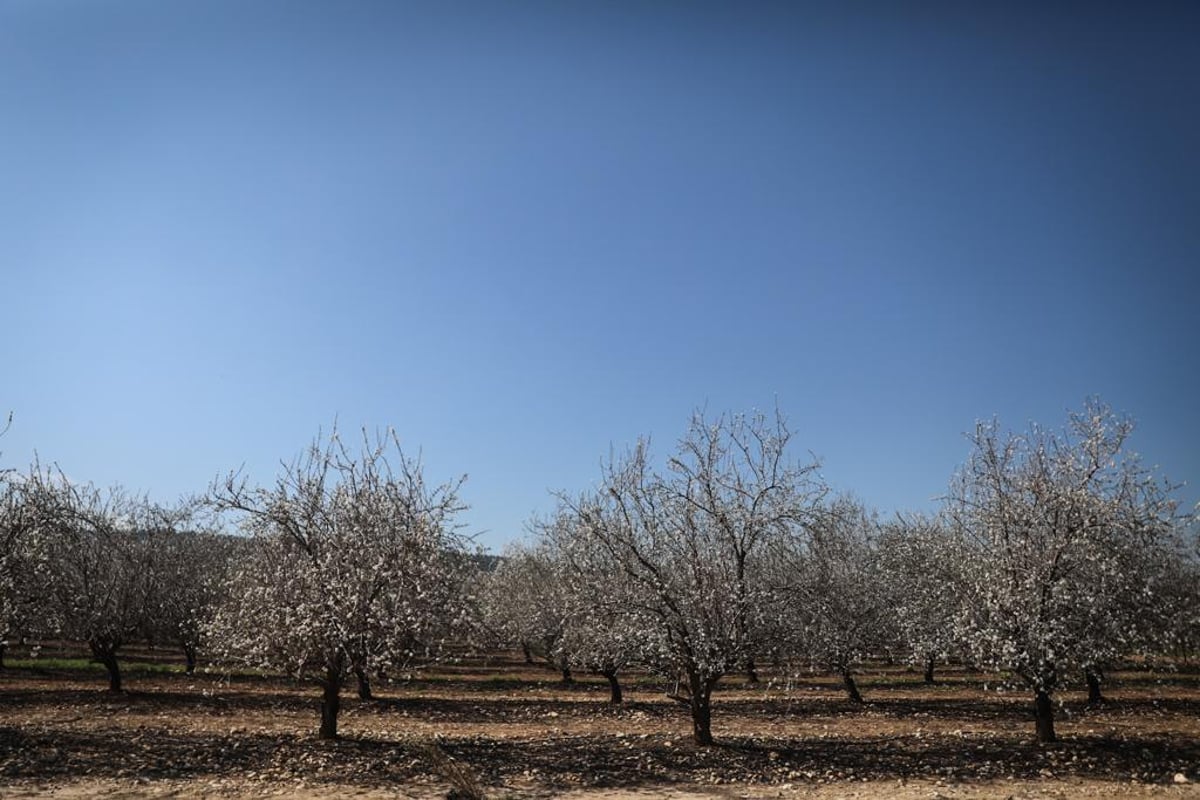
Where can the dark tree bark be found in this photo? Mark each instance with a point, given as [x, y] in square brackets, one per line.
[106, 653]
[776, 657]
[331, 702]
[364, 684]
[189, 655]
[1095, 695]
[3, 647]
[614, 687]
[701, 707]
[851, 687]
[565, 668]
[751, 671]
[700, 703]
[528, 653]
[929, 665]
[1044, 712]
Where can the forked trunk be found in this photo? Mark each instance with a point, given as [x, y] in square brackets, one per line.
[851, 687]
[929, 664]
[364, 684]
[1044, 712]
[614, 687]
[331, 703]
[1095, 695]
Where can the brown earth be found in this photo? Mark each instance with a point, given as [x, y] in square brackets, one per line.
[519, 732]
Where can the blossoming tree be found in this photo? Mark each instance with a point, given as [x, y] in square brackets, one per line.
[1054, 525]
[355, 567]
[689, 541]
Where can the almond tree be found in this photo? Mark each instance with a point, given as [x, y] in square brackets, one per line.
[833, 592]
[525, 603]
[605, 629]
[17, 523]
[1175, 596]
[504, 600]
[193, 566]
[1053, 525]
[354, 567]
[689, 540]
[12, 543]
[98, 553]
[920, 566]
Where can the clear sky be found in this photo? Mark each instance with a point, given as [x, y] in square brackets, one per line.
[524, 232]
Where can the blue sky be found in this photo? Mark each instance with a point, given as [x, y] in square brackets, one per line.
[524, 232]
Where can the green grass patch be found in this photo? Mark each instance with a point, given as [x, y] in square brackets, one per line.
[88, 665]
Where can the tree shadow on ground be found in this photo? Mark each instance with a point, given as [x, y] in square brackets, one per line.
[233, 699]
[609, 762]
[601, 761]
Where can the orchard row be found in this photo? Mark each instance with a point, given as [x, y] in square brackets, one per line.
[1054, 554]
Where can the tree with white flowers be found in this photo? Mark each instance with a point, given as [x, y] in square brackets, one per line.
[96, 553]
[605, 628]
[1175, 618]
[355, 567]
[832, 593]
[525, 603]
[689, 542]
[919, 561]
[17, 523]
[193, 565]
[1053, 525]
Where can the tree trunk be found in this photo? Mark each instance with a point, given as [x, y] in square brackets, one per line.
[1044, 712]
[751, 671]
[701, 707]
[331, 703]
[3, 647]
[565, 667]
[614, 687]
[1095, 695]
[851, 687]
[189, 655]
[364, 684]
[929, 664]
[528, 653]
[106, 654]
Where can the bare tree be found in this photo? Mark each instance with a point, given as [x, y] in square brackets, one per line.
[1053, 525]
[355, 567]
[688, 541]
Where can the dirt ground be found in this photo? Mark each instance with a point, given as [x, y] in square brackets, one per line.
[515, 731]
